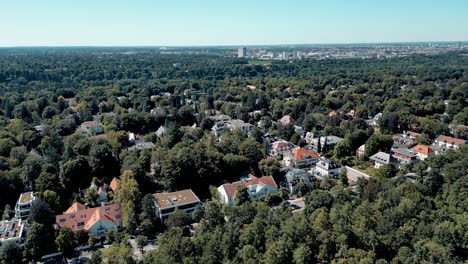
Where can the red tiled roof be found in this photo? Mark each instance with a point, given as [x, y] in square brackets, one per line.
[78, 213]
[413, 134]
[114, 184]
[423, 149]
[231, 188]
[303, 154]
[451, 140]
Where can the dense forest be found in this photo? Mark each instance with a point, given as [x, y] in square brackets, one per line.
[45, 95]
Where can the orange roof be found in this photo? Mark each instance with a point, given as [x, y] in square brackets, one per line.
[75, 207]
[231, 188]
[114, 184]
[333, 113]
[78, 217]
[451, 140]
[422, 149]
[303, 154]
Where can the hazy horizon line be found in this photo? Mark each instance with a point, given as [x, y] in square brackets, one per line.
[235, 45]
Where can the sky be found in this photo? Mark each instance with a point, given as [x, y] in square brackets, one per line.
[228, 22]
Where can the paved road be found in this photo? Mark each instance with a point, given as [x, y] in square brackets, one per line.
[353, 174]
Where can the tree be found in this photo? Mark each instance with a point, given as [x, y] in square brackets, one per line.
[378, 142]
[118, 253]
[252, 150]
[128, 196]
[39, 241]
[66, 241]
[76, 173]
[302, 255]
[242, 196]
[141, 242]
[52, 199]
[40, 212]
[10, 253]
[213, 214]
[92, 197]
[179, 218]
[95, 258]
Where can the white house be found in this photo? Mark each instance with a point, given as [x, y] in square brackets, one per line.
[166, 203]
[300, 158]
[12, 230]
[256, 187]
[23, 205]
[422, 151]
[295, 176]
[380, 158]
[97, 221]
[327, 167]
[449, 142]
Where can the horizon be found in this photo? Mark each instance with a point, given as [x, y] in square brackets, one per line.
[390, 43]
[229, 23]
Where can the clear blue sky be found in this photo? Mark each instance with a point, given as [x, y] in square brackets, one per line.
[228, 22]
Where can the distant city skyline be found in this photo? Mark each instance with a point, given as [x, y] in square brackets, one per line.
[230, 23]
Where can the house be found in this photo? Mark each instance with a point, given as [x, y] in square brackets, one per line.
[135, 138]
[141, 146]
[278, 148]
[300, 158]
[286, 120]
[404, 156]
[326, 142]
[361, 150]
[114, 185]
[23, 205]
[333, 113]
[13, 230]
[422, 151]
[220, 118]
[97, 221]
[256, 187]
[295, 176]
[161, 132]
[167, 202]
[327, 167]
[101, 191]
[410, 134]
[89, 128]
[381, 158]
[237, 124]
[449, 142]
[351, 113]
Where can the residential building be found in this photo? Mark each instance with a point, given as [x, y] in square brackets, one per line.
[327, 167]
[141, 146]
[23, 205]
[300, 158]
[13, 230]
[287, 120]
[380, 159]
[449, 142]
[167, 202]
[237, 124]
[161, 132]
[278, 148]
[114, 185]
[101, 191]
[404, 156]
[89, 128]
[361, 150]
[422, 151]
[296, 176]
[285, 55]
[326, 142]
[256, 187]
[97, 221]
[242, 52]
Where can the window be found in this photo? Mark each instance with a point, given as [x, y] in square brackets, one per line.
[62, 220]
[80, 224]
[107, 208]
